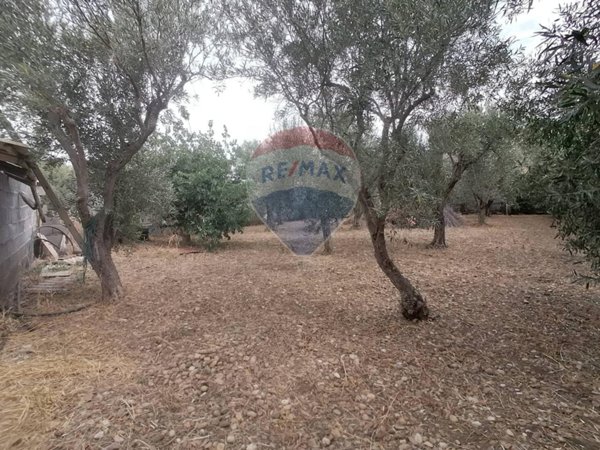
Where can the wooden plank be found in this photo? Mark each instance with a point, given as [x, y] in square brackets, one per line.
[13, 159]
[62, 212]
[48, 247]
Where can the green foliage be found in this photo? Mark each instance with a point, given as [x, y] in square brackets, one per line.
[494, 164]
[466, 150]
[562, 111]
[62, 179]
[144, 193]
[211, 201]
[370, 72]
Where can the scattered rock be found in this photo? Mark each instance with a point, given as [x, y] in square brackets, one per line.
[99, 435]
[416, 439]
[453, 418]
[230, 438]
[326, 442]
[251, 447]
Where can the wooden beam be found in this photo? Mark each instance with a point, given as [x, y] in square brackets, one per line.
[17, 171]
[62, 211]
[38, 202]
[13, 159]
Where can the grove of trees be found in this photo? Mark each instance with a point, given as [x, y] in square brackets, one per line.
[437, 106]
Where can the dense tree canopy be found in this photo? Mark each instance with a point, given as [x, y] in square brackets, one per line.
[560, 103]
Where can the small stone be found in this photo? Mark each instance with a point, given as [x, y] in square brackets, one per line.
[204, 388]
[428, 444]
[99, 435]
[251, 447]
[416, 439]
[118, 439]
[220, 446]
[230, 438]
[490, 418]
[251, 414]
[476, 423]
[453, 418]
[172, 433]
[326, 442]
[510, 432]
[442, 445]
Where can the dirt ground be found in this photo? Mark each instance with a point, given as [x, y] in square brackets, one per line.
[254, 348]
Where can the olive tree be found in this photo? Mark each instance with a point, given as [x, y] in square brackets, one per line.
[463, 144]
[366, 69]
[492, 178]
[96, 76]
[559, 102]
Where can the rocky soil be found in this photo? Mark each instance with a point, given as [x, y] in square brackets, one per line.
[253, 348]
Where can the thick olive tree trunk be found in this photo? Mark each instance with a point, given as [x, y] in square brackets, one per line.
[439, 229]
[483, 209]
[481, 216]
[412, 303]
[101, 242]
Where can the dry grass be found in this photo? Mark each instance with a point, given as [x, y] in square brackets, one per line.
[41, 370]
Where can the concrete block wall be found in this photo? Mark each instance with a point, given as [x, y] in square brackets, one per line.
[17, 230]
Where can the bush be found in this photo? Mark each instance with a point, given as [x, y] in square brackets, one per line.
[210, 202]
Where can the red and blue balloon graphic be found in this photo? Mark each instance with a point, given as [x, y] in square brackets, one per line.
[302, 183]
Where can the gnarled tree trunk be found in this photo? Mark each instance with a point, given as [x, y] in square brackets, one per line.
[482, 209]
[481, 216]
[412, 303]
[100, 239]
[439, 229]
